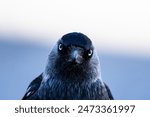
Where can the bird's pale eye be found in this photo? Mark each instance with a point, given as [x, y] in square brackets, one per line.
[60, 47]
[90, 53]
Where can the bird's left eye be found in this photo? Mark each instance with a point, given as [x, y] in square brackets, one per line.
[90, 53]
[60, 47]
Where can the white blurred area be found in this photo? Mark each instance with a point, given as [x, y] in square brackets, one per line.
[115, 26]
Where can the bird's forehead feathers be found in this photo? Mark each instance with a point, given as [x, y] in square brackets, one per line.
[77, 39]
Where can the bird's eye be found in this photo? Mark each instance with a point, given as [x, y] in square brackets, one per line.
[60, 47]
[90, 53]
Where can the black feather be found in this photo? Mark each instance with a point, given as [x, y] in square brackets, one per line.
[109, 92]
[77, 39]
[33, 87]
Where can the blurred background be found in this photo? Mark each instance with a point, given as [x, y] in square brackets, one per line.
[120, 31]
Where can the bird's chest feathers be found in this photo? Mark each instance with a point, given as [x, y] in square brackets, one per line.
[56, 89]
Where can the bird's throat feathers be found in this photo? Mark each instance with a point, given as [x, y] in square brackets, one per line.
[72, 73]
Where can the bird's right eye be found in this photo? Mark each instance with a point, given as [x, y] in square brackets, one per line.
[60, 47]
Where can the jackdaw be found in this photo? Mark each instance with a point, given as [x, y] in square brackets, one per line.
[72, 73]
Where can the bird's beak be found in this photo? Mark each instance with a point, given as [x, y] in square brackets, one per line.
[76, 56]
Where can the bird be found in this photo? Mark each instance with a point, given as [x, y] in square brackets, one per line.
[72, 72]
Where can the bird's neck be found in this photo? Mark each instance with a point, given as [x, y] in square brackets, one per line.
[74, 76]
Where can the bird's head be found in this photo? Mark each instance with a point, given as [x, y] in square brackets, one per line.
[73, 54]
[75, 48]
